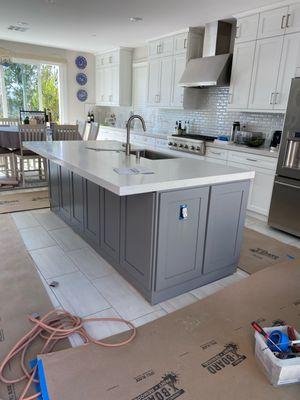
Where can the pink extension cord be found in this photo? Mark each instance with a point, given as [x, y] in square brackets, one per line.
[54, 326]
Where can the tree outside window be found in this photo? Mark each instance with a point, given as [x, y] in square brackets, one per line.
[30, 87]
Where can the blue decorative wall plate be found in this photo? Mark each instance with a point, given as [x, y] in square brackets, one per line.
[82, 95]
[81, 78]
[81, 62]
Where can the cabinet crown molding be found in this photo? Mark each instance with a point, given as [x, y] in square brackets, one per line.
[265, 8]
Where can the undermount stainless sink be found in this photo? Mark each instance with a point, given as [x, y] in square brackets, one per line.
[152, 155]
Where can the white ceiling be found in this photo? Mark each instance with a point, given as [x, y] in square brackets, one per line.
[71, 24]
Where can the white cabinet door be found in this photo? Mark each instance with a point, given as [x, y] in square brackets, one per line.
[165, 81]
[246, 28]
[114, 85]
[260, 189]
[161, 47]
[293, 19]
[265, 73]
[179, 64]
[167, 46]
[287, 70]
[180, 43]
[261, 194]
[272, 22]
[99, 86]
[139, 87]
[242, 66]
[154, 77]
[153, 48]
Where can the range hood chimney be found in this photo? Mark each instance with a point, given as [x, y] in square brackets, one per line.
[213, 69]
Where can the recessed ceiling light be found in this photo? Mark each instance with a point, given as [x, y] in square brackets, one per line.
[22, 23]
[135, 19]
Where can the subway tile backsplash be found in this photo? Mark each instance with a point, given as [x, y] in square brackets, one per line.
[212, 117]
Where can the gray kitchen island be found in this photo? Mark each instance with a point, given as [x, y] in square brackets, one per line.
[166, 232]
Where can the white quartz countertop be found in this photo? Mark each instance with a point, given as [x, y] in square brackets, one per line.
[98, 167]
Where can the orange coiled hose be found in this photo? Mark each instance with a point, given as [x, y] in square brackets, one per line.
[54, 326]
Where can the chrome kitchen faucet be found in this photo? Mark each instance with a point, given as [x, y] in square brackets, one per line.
[128, 127]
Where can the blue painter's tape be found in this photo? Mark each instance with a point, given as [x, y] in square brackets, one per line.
[183, 211]
[43, 383]
[290, 257]
[32, 364]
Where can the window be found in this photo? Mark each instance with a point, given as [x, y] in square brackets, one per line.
[29, 86]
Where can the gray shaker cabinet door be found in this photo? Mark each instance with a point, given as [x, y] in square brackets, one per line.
[65, 193]
[227, 211]
[54, 185]
[92, 212]
[77, 201]
[181, 236]
[137, 235]
[110, 224]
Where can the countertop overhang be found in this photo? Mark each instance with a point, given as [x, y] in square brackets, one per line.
[98, 167]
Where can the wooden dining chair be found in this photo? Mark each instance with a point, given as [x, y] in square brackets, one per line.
[66, 132]
[26, 160]
[7, 162]
[9, 121]
[93, 131]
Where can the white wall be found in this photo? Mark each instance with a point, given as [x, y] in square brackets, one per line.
[74, 109]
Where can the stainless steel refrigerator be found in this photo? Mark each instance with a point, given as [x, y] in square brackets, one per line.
[285, 204]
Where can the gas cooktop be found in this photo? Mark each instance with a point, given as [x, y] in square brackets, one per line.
[190, 143]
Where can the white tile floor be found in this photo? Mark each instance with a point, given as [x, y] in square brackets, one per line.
[89, 286]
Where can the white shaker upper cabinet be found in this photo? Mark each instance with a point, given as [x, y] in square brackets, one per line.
[272, 22]
[161, 47]
[265, 73]
[139, 86]
[179, 64]
[246, 28]
[180, 43]
[154, 80]
[293, 19]
[289, 63]
[241, 75]
[166, 81]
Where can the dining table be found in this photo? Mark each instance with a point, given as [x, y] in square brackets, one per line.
[9, 137]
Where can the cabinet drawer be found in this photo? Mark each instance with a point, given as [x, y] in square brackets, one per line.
[216, 153]
[253, 160]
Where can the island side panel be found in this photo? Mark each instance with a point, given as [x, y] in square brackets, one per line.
[226, 218]
[137, 238]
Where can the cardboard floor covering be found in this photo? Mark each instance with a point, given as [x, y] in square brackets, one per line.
[260, 251]
[21, 293]
[30, 200]
[202, 352]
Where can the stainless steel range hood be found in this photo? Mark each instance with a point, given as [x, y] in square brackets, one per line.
[213, 69]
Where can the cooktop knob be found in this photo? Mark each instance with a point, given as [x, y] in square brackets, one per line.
[170, 143]
[181, 145]
[186, 146]
[192, 147]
